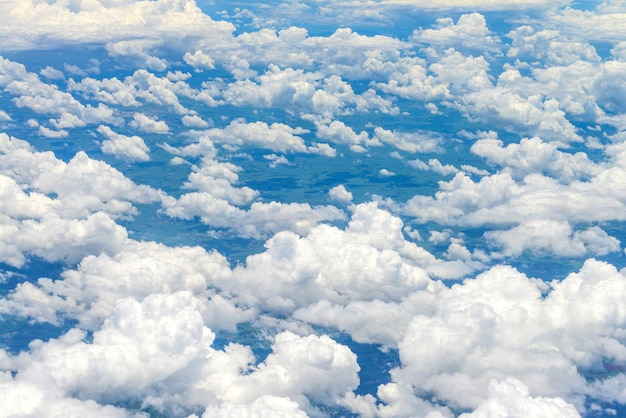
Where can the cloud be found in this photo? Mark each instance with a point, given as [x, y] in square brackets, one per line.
[147, 124]
[469, 340]
[511, 398]
[410, 141]
[532, 155]
[340, 193]
[79, 187]
[260, 220]
[549, 46]
[126, 148]
[199, 60]
[217, 179]
[103, 22]
[279, 407]
[499, 199]
[307, 94]
[470, 32]
[187, 331]
[194, 121]
[554, 236]
[277, 136]
[52, 73]
[19, 398]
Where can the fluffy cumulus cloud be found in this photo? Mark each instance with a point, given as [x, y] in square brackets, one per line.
[126, 148]
[381, 208]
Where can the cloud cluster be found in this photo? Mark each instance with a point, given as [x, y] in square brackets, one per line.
[520, 131]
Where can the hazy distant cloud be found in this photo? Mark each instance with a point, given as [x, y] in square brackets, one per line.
[95, 21]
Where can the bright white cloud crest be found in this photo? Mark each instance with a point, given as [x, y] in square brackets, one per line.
[373, 208]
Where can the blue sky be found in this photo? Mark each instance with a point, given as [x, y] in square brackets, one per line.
[380, 208]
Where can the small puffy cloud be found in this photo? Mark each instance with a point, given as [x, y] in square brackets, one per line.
[194, 121]
[199, 60]
[217, 179]
[410, 141]
[276, 160]
[340, 193]
[50, 133]
[147, 124]
[443, 169]
[126, 148]
[52, 73]
[339, 133]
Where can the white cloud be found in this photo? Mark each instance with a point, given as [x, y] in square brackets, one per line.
[50, 133]
[23, 398]
[499, 199]
[532, 155]
[267, 405]
[338, 132]
[217, 179]
[147, 124]
[511, 398]
[126, 148]
[555, 236]
[340, 193]
[102, 22]
[4, 116]
[52, 73]
[90, 292]
[276, 160]
[260, 220]
[199, 60]
[510, 301]
[194, 121]
[410, 141]
[469, 32]
[82, 186]
[276, 136]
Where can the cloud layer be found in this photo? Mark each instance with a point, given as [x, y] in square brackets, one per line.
[303, 210]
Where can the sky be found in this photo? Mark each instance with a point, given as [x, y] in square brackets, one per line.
[312, 208]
